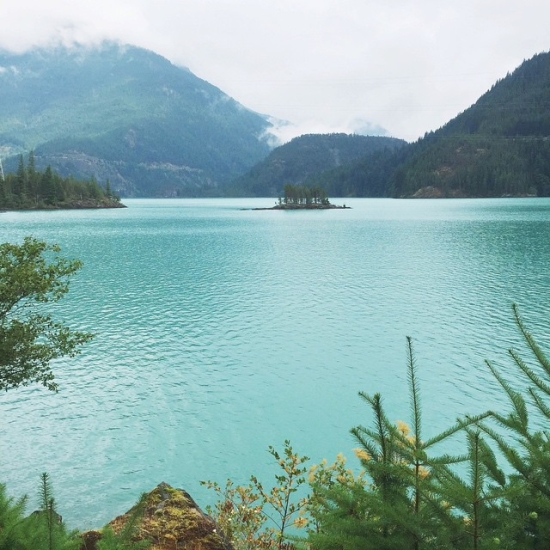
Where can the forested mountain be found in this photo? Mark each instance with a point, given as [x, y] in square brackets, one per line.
[307, 156]
[499, 146]
[153, 129]
[126, 114]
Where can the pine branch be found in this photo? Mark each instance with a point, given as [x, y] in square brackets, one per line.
[414, 394]
[519, 418]
[535, 348]
[460, 425]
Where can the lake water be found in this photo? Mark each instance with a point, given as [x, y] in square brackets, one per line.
[221, 330]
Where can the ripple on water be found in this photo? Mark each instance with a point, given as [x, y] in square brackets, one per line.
[221, 331]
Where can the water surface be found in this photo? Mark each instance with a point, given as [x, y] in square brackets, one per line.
[221, 330]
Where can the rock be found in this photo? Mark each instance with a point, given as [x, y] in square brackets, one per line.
[428, 192]
[55, 515]
[171, 520]
[89, 540]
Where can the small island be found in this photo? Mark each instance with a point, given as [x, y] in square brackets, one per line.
[32, 189]
[301, 197]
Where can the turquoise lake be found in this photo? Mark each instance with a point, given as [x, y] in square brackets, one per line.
[221, 330]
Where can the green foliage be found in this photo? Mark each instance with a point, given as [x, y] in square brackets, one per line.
[524, 447]
[368, 176]
[33, 274]
[48, 512]
[303, 195]
[476, 500]
[401, 506]
[280, 497]
[11, 521]
[253, 517]
[29, 188]
[42, 530]
[239, 513]
[335, 504]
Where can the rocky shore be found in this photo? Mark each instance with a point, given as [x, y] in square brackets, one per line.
[169, 519]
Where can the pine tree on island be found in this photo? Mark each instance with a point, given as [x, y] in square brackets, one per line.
[304, 197]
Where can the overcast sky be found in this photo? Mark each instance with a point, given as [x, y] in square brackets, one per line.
[403, 67]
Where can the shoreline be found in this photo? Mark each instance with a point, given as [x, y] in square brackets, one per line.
[75, 206]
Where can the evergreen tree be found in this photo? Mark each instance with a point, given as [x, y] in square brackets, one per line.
[41, 530]
[33, 179]
[47, 185]
[49, 190]
[528, 451]
[403, 506]
[477, 500]
[20, 188]
[11, 518]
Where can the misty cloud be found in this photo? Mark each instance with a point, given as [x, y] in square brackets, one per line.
[348, 65]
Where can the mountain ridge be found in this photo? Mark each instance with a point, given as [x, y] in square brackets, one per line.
[305, 157]
[155, 129]
[108, 109]
[499, 146]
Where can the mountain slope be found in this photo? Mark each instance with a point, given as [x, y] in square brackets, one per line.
[126, 114]
[499, 146]
[305, 157]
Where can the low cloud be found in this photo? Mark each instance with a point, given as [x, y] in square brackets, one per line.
[283, 131]
[331, 66]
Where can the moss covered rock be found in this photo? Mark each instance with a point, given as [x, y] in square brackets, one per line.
[171, 520]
